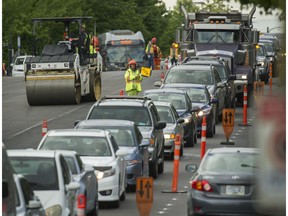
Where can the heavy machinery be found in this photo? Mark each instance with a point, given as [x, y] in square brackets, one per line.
[229, 35]
[118, 47]
[59, 74]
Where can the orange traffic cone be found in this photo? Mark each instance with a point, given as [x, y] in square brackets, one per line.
[44, 127]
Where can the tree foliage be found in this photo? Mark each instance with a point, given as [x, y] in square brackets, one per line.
[149, 16]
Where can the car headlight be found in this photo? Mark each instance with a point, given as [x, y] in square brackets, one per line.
[241, 76]
[106, 173]
[169, 136]
[151, 141]
[55, 210]
[204, 112]
[261, 63]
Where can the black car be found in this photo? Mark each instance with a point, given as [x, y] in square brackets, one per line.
[143, 112]
[224, 72]
[183, 106]
[198, 74]
[203, 104]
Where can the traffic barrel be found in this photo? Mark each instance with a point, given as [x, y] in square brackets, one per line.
[121, 92]
[245, 106]
[81, 205]
[203, 137]
[44, 127]
[176, 162]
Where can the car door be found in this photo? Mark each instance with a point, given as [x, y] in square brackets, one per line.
[120, 162]
[69, 195]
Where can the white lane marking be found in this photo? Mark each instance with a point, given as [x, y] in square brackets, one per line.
[40, 123]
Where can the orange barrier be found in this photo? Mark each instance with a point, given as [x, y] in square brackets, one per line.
[176, 162]
[121, 92]
[270, 77]
[44, 127]
[245, 106]
[203, 137]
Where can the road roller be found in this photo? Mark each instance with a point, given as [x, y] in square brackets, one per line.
[60, 74]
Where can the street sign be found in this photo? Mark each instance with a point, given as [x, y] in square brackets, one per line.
[228, 122]
[144, 195]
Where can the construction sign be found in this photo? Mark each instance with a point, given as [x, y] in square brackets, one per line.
[228, 122]
[144, 195]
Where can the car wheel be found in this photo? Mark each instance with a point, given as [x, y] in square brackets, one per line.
[190, 141]
[195, 137]
[181, 151]
[153, 170]
[123, 196]
[214, 129]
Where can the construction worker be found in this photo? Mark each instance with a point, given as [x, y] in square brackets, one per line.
[82, 44]
[174, 53]
[93, 46]
[133, 79]
[151, 46]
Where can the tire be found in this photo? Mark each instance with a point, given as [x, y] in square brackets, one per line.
[190, 141]
[210, 132]
[95, 86]
[123, 196]
[195, 137]
[153, 170]
[181, 151]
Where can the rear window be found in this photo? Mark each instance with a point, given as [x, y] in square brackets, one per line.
[231, 162]
[41, 173]
[178, 100]
[165, 114]
[189, 76]
[139, 115]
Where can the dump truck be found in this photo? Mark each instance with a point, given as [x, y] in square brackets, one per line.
[118, 47]
[57, 74]
[229, 35]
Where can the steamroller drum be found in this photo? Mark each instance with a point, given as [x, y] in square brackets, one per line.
[95, 86]
[52, 90]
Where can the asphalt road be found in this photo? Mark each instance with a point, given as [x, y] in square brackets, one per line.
[22, 125]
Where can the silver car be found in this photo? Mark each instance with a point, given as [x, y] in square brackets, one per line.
[224, 182]
[169, 115]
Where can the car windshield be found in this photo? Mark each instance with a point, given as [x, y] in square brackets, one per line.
[197, 95]
[178, 100]
[189, 76]
[137, 114]
[230, 162]
[84, 146]
[165, 114]
[40, 172]
[268, 47]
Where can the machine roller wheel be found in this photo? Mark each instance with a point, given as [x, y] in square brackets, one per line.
[95, 86]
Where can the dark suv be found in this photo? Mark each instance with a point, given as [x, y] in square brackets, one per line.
[143, 112]
[224, 72]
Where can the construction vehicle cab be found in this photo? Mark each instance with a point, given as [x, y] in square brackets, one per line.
[61, 73]
[229, 35]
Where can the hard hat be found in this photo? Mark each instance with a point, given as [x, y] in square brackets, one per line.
[154, 40]
[132, 62]
[83, 25]
[176, 45]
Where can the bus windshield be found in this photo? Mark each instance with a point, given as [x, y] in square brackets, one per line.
[122, 53]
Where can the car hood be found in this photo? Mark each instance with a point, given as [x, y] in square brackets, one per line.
[49, 198]
[145, 131]
[98, 161]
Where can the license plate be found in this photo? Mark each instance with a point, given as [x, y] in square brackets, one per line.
[235, 190]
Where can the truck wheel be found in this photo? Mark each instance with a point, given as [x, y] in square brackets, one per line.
[95, 86]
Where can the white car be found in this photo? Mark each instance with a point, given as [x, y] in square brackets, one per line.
[98, 149]
[50, 177]
[18, 66]
[27, 202]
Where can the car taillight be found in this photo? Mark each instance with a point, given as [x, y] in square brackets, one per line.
[201, 185]
[81, 201]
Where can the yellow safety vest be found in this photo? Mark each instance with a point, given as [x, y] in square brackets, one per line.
[174, 52]
[92, 49]
[149, 49]
[133, 83]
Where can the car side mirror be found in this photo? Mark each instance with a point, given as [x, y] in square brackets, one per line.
[88, 167]
[220, 85]
[191, 168]
[180, 121]
[214, 101]
[232, 77]
[160, 125]
[34, 204]
[157, 83]
[72, 186]
[121, 153]
[76, 122]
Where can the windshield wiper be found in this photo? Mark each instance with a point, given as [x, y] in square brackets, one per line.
[247, 165]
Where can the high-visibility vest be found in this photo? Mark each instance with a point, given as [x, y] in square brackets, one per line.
[133, 83]
[92, 50]
[149, 48]
[174, 52]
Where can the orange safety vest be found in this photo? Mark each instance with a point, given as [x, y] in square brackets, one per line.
[133, 83]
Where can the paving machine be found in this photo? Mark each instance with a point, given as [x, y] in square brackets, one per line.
[60, 74]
